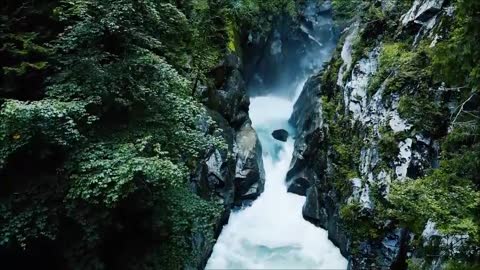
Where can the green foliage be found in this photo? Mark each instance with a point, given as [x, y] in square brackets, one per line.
[409, 71]
[448, 195]
[25, 29]
[106, 174]
[346, 8]
[211, 29]
[186, 215]
[395, 54]
[388, 146]
[276, 7]
[21, 225]
[233, 42]
[330, 74]
[360, 224]
[456, 60]
[454, 184]
[26, 49]
[53, 122]
[424, 113]
[423, 199]
[259, 15]
[344, 140]
[401, 68]
[455, 265]
[96, 53]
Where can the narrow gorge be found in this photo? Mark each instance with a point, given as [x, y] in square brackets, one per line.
[271, 233]
[367, 125]
[240, 134]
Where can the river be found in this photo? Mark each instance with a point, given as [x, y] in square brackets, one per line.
[272, 233]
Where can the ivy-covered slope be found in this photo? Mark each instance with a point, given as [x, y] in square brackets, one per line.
[388, 152]
[124, 130]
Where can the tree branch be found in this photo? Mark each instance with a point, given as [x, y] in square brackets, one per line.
[461, 108]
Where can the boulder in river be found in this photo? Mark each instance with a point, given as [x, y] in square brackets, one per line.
[280, 134]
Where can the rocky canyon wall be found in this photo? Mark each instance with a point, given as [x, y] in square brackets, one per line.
[374, 120]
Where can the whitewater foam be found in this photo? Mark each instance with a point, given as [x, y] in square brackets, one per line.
[272, 233]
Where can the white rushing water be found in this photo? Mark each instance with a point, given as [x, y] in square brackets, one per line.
[272, 233]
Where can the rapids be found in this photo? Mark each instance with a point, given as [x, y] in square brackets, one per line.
[271, 233]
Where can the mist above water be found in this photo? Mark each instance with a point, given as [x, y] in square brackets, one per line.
[292, 55]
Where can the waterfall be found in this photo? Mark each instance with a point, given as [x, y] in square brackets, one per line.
[272, 233]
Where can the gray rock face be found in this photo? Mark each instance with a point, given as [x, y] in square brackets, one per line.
[394, 249]
[299, 186]
[229, 96]
[312, 210]
[308, 119]
[311, 165]
[307, 113]
[215, 172]
[249, 172]
[422, 11]
[280, 135]
[230, 100]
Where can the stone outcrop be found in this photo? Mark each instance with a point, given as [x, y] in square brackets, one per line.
[249, 172]
[229, 96]
[422, 11]
[308, 119]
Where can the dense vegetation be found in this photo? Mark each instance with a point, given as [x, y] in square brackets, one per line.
[100, 132]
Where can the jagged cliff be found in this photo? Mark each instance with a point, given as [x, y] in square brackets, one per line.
[373, 128]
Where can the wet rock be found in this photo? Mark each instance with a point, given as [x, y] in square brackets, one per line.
[361, 194]
[356, 88]
[388, 5]
[307, 113]
[249, 172]
[312, 209]
[229, 96]
[299, 186]
[276, 47]
[371, 115]
[229, 104]
[280, 135]
[346, 54]
[403, 160]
